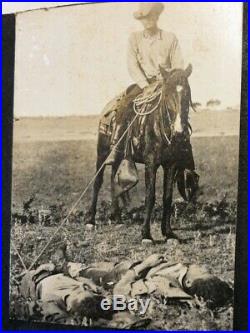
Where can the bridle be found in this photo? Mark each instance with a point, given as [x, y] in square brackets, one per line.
[164, 107]
[144, 106]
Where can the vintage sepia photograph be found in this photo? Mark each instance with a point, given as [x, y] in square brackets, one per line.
[125, 164]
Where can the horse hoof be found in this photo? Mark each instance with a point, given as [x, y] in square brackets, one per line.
[172, 236]
[147, 241]
[89, 227]
[172, 242]
[114, 221]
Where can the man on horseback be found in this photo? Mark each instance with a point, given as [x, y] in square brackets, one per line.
[147, 50]
[160, 135]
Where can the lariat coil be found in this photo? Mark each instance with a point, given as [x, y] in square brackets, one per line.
[144, 106]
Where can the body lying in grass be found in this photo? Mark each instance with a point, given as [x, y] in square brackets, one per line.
[72, 290]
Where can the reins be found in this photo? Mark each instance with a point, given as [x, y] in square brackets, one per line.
[142, 104]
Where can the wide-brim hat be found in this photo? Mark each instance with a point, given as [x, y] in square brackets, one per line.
[147, 8]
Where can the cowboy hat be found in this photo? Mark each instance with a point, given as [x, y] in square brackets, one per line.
[147, 8]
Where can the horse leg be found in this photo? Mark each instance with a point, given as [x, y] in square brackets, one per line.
[150, 178]
[90, 216]
[115, 209]
[168, 184]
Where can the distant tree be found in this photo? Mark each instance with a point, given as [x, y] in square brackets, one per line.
[213, 103]
[197, 105]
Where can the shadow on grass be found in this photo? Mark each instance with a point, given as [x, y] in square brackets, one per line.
[206, 227]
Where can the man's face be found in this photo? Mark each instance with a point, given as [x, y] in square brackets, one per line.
[150, 21]
[58, 259]
[196, 272]
[79, 300]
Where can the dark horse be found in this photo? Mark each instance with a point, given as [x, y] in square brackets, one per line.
[165, 142]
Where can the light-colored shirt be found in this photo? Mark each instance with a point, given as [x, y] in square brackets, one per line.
[164, 279]
[146, 53]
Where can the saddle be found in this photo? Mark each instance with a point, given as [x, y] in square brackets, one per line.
[126, 177]
[108, 115]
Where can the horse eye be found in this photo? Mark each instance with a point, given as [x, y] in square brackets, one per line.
[179, 89]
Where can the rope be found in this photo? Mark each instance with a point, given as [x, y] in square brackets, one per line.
[74, 206]
[139, 101]
[19, 256]
[144, 103]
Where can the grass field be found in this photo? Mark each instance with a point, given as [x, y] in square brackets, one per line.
[55, 172]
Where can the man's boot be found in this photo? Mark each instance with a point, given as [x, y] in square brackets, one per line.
[114, 150]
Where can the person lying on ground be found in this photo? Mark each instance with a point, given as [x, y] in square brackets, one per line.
[78, 289]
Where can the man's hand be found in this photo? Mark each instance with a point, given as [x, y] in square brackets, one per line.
[50, 267]
[151, 261]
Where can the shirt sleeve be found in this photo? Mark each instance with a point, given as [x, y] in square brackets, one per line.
[123, 286]
[134, 68]
[176, 58]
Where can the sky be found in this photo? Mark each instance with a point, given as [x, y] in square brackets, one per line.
[72, 60]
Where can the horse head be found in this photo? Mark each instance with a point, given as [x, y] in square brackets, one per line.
[176, 98]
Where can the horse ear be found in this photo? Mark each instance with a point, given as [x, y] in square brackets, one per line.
[163, 72]
[188, 70]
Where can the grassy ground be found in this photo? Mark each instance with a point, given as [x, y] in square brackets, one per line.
[79, 128]
[59, 171]
[56, 173]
